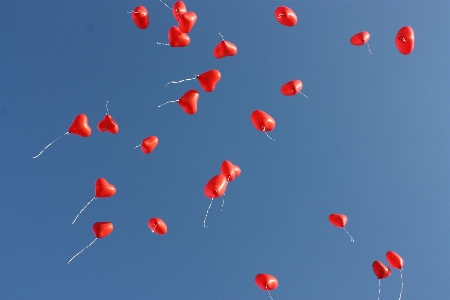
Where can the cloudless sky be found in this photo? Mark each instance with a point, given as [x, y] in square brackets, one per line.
[372, 142]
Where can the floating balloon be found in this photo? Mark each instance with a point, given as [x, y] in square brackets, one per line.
[188, 102]
[214, 188]
[186, 21]
[178, 9]
[157, 225]
[292, 88]
[228, 170]
[224, 48]
[207, 80]
[381, 271]
[360, 39]
[178, 38]
[396, 261]
[285, 16]
[404, 40]
[148, 144]
[140, 17]
[108, 123]
[101, 230]
[79, 127]
[103, 189]
[262, 122]
[237, 170]
[340, 221]
[266, 282]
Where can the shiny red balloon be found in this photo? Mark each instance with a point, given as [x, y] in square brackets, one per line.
[285, 16]
[102, 229]
[80, 126]
[215, 187]
[104, 189]
[237, 170]
[223, 49]
[228, 170]
[188, 101]
[380, 270]
[266, 282]
[178, 38]
[395, 260]
[338, 220]
[262, 121]
[108, 124]
[360, 38]
[209, 79]
[178, 9]
[157, 225]
[404, 40]
[148, 144]
[140, 17]
[186, 21]
[291, 88]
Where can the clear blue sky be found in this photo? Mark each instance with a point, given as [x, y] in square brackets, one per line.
[372, 142]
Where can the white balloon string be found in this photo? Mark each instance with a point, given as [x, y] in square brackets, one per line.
[304, 95]
[50, 145]
[107, 112]
[351, 239]
[401, 277]
[165, 4]
[369, 48]
[379, 288]
[222, 37]
[156, 224]
[264, 129]
[83, 209]
[166, 103]
[269, 293]
[81, 251]
[138, 145]
[181, 80]
[204, 221]
[158, 43]
[223, 201]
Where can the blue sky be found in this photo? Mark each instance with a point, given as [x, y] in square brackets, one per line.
[372, 142]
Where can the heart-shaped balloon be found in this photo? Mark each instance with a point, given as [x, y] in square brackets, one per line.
[395, 260]
[360, 38]
[215, 187]
[80, 126]
[223, 49]
[157, 225]
[104, 189]
[338, 220]
[266, 282]
[285, 16]
[237, 170]
[228, 170]
[186, 21]
[178, 9]
[188, 101]
[262, 121]
[108, 124]
[178, 38]
[140, 17]
[148, 144]
[404, 40]
[291, 88]
[102, 229]
[209, 79]
[380, 270]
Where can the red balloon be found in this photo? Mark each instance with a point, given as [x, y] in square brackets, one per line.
[224, 48]
[178, 9]
[360, 38]
[228, 170]
[188, 102]
[237, 170]
[291, 88]
[215, 187]
[380, 270]
[102, 229]
[285, 16]
[148, 144]
[266, 282]
[404, 40]
[209, 79]
[140, 17]
[104, 189]
[395, 260]
[178, 38]
[338, 220]
[80, 126]
[262, 121]
[157, 225]
[108, 124]
[186, 21]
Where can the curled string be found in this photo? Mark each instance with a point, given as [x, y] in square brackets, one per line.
[379, 288]
[81, 251]
[304, 95]
[369, 48]
[83, 209]
[269, 292]
[158, 43]
[264, 129]
[222, 37]
[401, 277]
[153, 230]
[165, 4]
[139, 144]
[204, 221]
[166, 103]
[181, 80]
[50, 145]
[351, 239]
